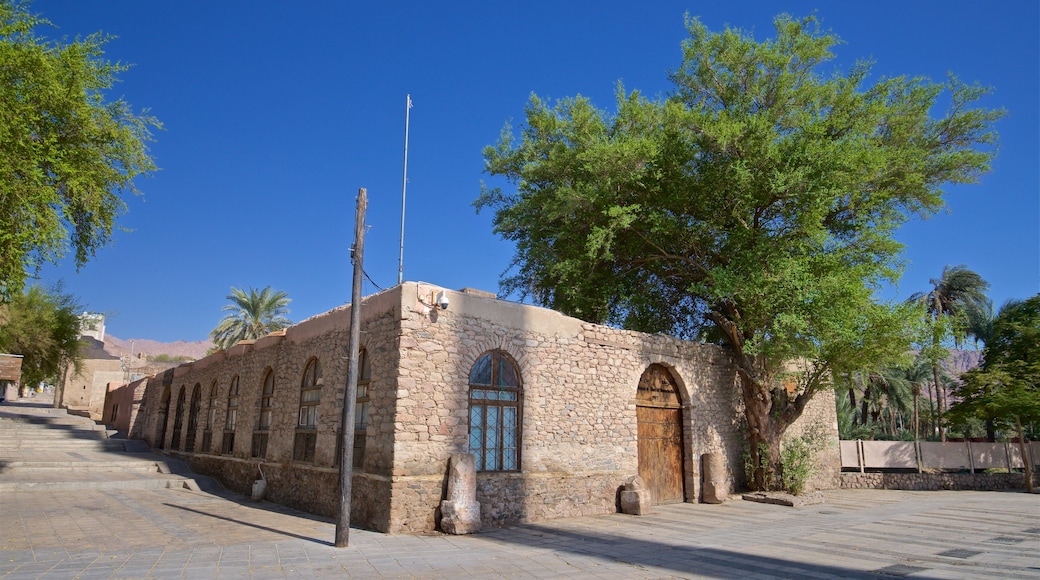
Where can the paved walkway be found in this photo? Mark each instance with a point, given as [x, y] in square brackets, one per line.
[180, 533]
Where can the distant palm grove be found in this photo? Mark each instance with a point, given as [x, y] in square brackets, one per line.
[928, 397]
[251, 314]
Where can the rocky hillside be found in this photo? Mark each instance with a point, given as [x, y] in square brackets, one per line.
[180, 350]
[960, 361]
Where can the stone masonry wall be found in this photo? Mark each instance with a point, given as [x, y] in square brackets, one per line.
[579, 381]
[934, 481]
[579, 437]
[313, 485]
[819, 422]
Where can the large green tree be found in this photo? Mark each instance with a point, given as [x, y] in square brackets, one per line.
[44, 327]
[956, 301]
[252, 314]
[1006, 388]
[754, 205]
[67, 154]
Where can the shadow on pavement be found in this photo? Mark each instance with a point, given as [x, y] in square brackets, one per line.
[251, 525]
[708, 562]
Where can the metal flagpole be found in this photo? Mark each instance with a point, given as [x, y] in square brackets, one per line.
[404, 188]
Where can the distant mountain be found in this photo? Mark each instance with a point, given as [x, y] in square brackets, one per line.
[151, 348]
[961, 361]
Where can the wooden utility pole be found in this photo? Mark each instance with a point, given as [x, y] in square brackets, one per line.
[346, 427]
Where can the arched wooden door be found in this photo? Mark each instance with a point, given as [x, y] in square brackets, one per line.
[659, 418]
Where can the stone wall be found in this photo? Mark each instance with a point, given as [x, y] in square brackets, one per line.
[579, 380]
[311, 485]
[122, 404]
[819, 421]
[579, 438]
[86, 390]
[934, 481]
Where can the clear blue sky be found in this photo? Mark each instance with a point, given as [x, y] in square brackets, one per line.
[277, 112]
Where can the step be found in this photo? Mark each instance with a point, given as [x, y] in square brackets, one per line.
[121, 466]
[85, 481]
[30, 436]
[61, 444]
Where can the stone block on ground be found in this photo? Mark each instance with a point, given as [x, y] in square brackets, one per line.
[714, 489]
[460, 512]
[635, 498]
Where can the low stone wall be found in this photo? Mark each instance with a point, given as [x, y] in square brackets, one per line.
[507, 498]
[311, 489]
[934, 481]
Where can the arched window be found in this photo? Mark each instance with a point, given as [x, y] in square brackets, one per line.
[211, 417]
[310, 398]
[227, 445]
[178, 421]
[193, 418]
[361, 408]
[263, 423]
[494, 413]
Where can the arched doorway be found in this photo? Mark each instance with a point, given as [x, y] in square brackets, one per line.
[178, 422]
[659, 419]
[193, 418]
[160, 427]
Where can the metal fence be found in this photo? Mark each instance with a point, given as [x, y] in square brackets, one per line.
[932, 455]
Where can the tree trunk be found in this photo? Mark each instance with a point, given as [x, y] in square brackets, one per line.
[1027, 461]
[852, 405]
[938, 402]
[917, 415]
[769, 411]
[766, 426]
[59, 389]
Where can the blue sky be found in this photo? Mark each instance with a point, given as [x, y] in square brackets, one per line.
[277, 112]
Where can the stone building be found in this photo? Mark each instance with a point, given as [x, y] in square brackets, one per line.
[558, 412]
[85, 389]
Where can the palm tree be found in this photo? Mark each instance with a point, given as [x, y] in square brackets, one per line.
[919, 375]
[251, 315]
[957, 296]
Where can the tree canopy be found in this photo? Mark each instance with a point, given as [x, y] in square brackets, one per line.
[251, 315]
[1006, 388]
[44, 327]
[66, 153]
[1007, 385]
[754, 205]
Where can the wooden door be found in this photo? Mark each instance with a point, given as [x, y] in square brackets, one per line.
[659, 419]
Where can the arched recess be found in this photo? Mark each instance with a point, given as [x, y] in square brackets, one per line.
[659, 419]
[193, 418]
[160, 425]
[361, 409]
[305, 441]
[211, 417]
[178, 421]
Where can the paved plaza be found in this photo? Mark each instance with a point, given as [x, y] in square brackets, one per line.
[185, 533]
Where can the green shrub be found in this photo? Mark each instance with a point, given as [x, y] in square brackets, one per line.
[796, 458]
